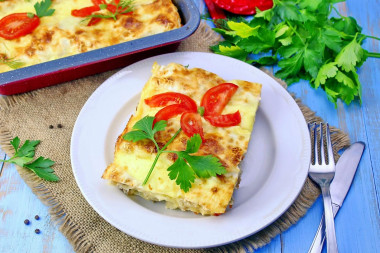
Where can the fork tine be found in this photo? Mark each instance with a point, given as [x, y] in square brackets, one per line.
[309, 126]
[322, 146]
[315, 145]
[330, 155]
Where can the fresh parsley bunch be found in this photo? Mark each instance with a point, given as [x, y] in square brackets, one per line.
[187, 166]
[24, 156]
[305, 42]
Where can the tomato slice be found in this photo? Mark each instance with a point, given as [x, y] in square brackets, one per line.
[86, 11]
[98, 2]
[191, 123]
[17, 25]
[114, 7]
[225, 120]
[169, 112]
[111, 8]
[216, 98]
[93, 21]
[167, 98]
[244, 7]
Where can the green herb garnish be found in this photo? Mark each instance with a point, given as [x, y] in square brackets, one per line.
[14, 64]
[124, 6]
[305, 42]
[187, 167]
[24, 155]
[43, 8]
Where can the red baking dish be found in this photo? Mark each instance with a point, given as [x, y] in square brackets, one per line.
[101, 60]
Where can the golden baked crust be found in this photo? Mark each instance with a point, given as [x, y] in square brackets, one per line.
[132, 160]
[62, 35]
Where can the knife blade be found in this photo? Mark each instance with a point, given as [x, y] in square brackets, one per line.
[344, 174]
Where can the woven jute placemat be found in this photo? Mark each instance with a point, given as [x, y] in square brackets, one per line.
[31, 115]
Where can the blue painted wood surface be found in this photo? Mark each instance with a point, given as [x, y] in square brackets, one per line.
[358, 222]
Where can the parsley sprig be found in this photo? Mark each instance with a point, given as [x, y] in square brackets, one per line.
[24, 155]
[12, 63]
[187, 166]
[306, 43]
[42, 9]
[124, 6]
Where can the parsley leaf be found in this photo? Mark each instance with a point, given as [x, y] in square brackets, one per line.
[42, 167]
[263, 42]
[43, 8]
[266, 60]
[15, 143]
[347, 25]
[332, 38]
[242, 29]
[27, 149]
[232, 51]
[11, 62]
[327, 71]
[287, 10]
[193, 144]
[182, 173]
[205, 166]
[143, 129]
[23, 157]
[311, 5]
[305, 42]
[350, 56]
[267, 14]
[187, 167]
[184, 169]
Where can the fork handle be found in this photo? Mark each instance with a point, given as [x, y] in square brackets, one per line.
[332, 246]
[320, 236]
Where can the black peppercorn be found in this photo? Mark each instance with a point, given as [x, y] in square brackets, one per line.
[59, 125]
[37, 217]
[26, 222]
[51, 126]
[37, 231]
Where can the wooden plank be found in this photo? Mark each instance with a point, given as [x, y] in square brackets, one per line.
[358, 220]
[370, 79]
[17, 203]
[363, 124]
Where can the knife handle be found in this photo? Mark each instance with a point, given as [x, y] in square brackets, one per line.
[319, 239]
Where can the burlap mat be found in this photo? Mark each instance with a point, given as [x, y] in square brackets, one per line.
[29, 117]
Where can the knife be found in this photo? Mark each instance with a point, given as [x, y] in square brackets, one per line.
[344, 174]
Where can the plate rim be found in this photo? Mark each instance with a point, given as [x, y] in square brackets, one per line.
[108, 82]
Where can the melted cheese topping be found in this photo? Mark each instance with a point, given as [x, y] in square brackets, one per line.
[132, 161]
[62, 34]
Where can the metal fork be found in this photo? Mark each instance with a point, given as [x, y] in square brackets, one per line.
[323, 174]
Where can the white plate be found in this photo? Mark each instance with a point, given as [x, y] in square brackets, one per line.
[274, 168]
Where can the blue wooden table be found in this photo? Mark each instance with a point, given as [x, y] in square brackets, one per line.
[357, 223]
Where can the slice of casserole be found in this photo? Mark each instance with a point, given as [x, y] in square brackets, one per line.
[132, 160]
